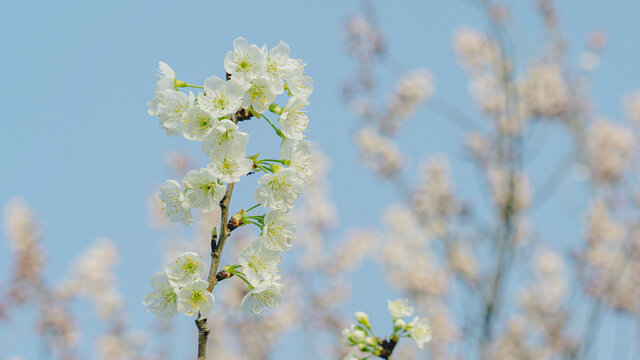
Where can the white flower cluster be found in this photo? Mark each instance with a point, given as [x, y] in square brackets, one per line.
[379, 152]
[180, 288]
[410, 92]
[419, 329]
[611, 149]
[92, 277]
[254, 78]
[476, 52]
[545, 91]
[361, 335]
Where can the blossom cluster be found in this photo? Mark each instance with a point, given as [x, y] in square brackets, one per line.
[92, 276]
[432, 241]
[411, 90]
[610, 150]
[255, 76]
[361, 335]
[379, 153]
[22, 234]
[180, 288]
[545, 90]
[52, 301]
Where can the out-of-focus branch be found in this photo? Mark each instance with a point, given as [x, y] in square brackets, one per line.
[453, 113]
[589, 332]
[552, 182]
[513, 156]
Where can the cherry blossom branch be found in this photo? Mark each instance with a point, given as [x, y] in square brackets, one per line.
[217, 246]
[362, 337]
[255, 78]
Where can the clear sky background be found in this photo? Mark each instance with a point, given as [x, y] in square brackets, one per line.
[77, 144]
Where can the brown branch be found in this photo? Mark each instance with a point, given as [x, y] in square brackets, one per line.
[218, 240]
[203, 334]
[216, 253]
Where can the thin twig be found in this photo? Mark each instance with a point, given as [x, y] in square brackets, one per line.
[553, 181]
[590, 330]
[453, 113]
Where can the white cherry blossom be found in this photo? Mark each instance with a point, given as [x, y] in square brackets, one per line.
[174, 203]
[277, 65]
[267, 294]
[295, 69]
[225, 140]
[278, 230]
[202, 189]
[279, 190]
[187, 268]
[260, 95]
[166, 77]
[245, 61]
[399, 308]
[300, 86]
[420, 331]
[221, 97]
[299, 154]
[194, 298]
[230, 170]
[169, 106]
[260, 263]
[293, 120]
[163, 300]
[195, 123]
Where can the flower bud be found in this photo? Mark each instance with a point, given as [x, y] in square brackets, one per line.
[371, 341]
[359, 336]
[399, 324]
[225, 273]
[347, 338]
[236, 220]
[363, 319]
[274, 108]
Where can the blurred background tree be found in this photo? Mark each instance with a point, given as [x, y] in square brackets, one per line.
[505, 210]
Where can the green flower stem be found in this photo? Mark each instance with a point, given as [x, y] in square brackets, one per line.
[252, 222]
[244, 279]
[266, 170]
[180, 83]
[253, 207]
[283, 162]
[274, 127]
[372, 333]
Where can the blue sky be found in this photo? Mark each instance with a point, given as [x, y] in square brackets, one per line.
[77, 144]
